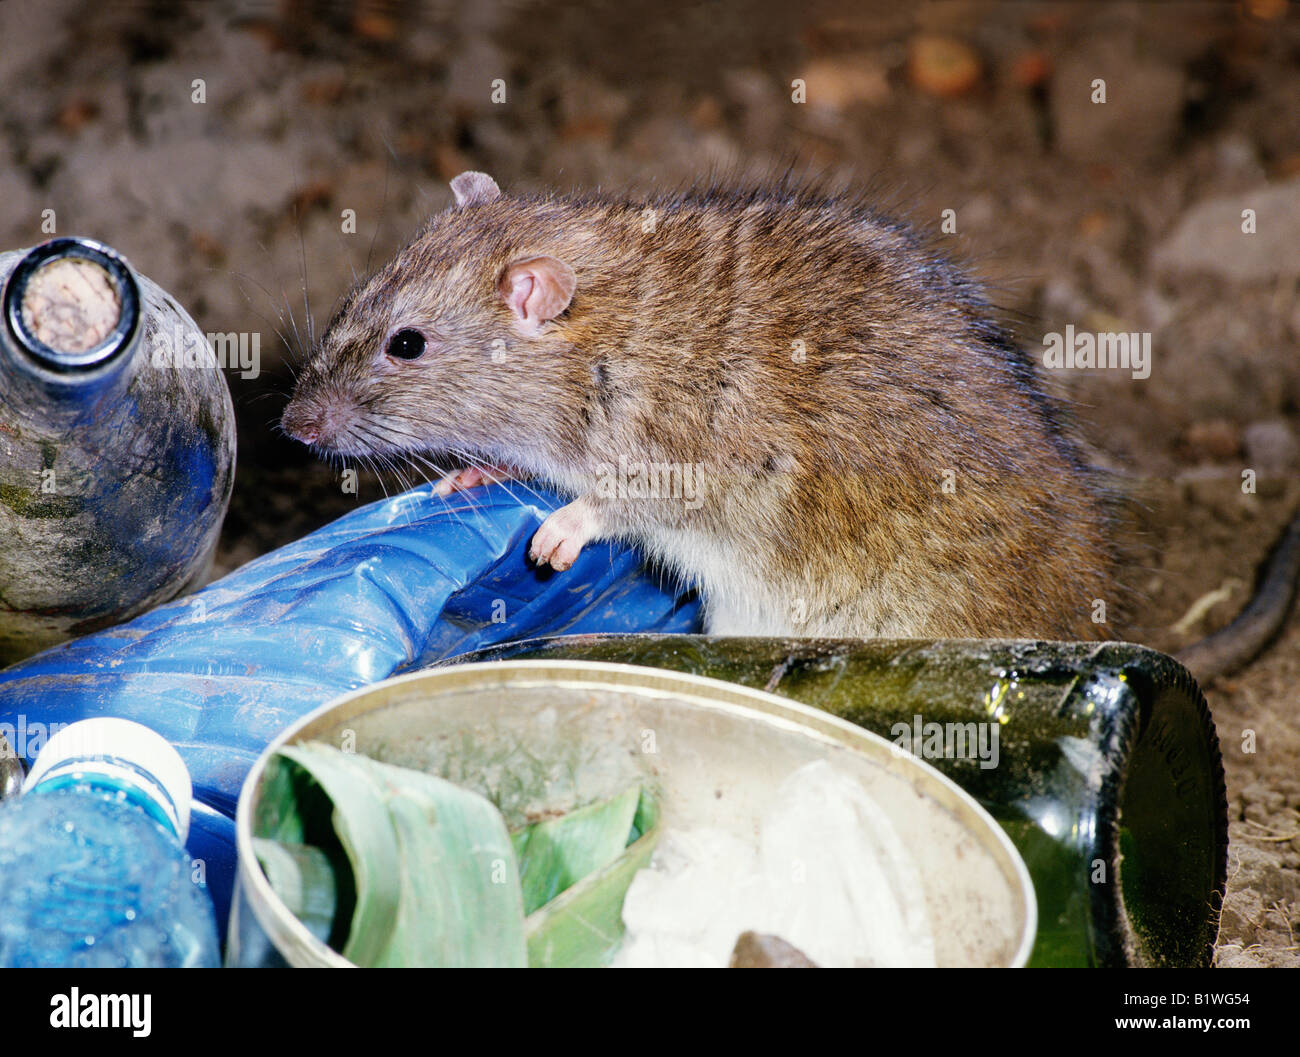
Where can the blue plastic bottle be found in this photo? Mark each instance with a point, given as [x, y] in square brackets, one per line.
[93, 871]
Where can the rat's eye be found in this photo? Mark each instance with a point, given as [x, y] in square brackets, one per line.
[406, 345]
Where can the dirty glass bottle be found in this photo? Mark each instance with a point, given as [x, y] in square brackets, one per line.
[1101, 762]
[117, 445]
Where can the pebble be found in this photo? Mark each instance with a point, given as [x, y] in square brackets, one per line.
[1138, 122]
[1271, 447]
[1215, 440]
[844, 81]
[1208, 239]
[943, 66]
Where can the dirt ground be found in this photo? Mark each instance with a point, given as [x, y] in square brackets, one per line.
[1117, 216]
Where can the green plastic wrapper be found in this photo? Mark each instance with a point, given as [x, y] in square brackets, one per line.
[394, 867]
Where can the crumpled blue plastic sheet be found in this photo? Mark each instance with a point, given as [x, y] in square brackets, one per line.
[393, 586]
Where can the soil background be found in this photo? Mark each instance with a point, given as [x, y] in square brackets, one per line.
[1122, 216]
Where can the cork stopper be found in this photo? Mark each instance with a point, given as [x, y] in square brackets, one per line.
[71, 304]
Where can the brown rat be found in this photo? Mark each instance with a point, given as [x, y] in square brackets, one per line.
[835, 436]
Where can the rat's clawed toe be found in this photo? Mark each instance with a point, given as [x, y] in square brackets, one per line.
[551, 546]
[563, 535]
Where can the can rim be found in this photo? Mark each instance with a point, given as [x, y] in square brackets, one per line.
[286, 931]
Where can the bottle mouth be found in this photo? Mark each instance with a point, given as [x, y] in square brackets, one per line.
[72, 305]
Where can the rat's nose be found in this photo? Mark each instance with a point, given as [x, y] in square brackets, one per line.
[300, 423]
[322, 418]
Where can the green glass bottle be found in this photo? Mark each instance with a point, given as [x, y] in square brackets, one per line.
[1101, 762]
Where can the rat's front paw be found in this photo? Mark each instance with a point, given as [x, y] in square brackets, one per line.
[470, 477]
[563, 535]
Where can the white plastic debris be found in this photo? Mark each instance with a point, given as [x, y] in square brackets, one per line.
[828, 874]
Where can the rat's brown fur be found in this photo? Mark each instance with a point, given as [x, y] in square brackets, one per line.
[877, 458]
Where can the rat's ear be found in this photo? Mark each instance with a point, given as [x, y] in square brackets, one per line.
[537, 289]
[474, 189]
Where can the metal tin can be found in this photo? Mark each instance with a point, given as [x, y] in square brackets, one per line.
[576, 729]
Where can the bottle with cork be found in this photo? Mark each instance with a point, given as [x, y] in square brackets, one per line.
[117, 450]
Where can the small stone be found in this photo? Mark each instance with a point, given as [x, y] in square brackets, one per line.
[748, 87]
[73, 117]
[1236, 156]
[1271, 447]
[979, 212]
[1140, 117]
[590, 127]
[707, 113]
[1285, 168]
[589, 107]
[208, 246]
[943, 66]
[1095, 223]
[315, 195]
[1214, 238]
[266, 31]
[1062, 300]
[1214, 440]
[373, 24]
[1265, 10]
[1254, 868]
[1158, 311]
[1031, 69]
[845, 80]
[1242, 911]
[323, 91]
[758, 950]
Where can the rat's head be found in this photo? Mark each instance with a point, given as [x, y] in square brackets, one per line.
[440, 348]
